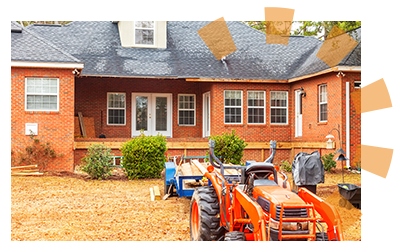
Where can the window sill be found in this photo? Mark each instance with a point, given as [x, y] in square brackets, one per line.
[279, 125]
[42, 112]
[322, 123]
[233, 125]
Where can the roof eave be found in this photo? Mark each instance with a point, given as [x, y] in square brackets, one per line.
[59, 65]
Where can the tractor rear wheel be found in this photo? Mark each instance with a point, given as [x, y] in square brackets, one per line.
[205, 215]
[235, 236]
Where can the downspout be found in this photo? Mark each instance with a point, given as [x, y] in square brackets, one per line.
[348, 123]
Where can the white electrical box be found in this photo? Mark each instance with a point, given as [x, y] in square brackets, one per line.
[31, 128]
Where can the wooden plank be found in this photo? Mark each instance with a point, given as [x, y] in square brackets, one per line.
[89, 127]
[201, 145]
[25, 174]
[157, 194]
[82, 124]
[77, 127]
[199, 166]
[24, 167]
[186, 169]
[152, 197]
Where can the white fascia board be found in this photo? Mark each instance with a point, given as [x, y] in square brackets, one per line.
[349, 68]
[47, 65]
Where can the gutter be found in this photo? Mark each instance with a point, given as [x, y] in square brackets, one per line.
[348, 123]
[47, 65]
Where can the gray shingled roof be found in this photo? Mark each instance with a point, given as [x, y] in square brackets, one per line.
[28, 46]
[98, 46]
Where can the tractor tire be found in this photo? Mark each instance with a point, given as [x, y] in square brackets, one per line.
[235, 236]
[321, 237]
[205, 215]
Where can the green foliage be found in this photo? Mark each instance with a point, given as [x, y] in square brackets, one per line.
[229, 146]
[144, 156]
[285, 165]
[97, 161]
[328, 162]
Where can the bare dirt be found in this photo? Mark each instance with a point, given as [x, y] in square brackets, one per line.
[70, 206]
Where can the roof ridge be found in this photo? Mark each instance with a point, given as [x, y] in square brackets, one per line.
[50, 44]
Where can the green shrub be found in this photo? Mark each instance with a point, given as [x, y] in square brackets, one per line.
[285, 165]
[328, 161]
[97, 161]
[144, 156]
[229, 146]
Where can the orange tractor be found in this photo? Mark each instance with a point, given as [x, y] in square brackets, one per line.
[258, 205]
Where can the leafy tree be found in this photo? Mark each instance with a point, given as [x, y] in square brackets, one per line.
[319, 29]
[26, 23]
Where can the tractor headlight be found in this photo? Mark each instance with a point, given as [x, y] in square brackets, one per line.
[290, 226]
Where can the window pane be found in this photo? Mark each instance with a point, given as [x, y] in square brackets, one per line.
[116, 100]
[141, 113]
[116, 116]
[161, 113]
[186, 110]
[144, 24]
[144, 36]
[323, 112]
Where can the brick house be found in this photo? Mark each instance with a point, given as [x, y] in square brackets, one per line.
[160, 77]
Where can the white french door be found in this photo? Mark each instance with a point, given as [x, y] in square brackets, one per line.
[298, 114]
[206, 114]
[152, 114]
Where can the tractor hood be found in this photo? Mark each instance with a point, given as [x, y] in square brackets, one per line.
[277, 195]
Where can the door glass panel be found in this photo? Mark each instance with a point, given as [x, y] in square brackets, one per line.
[141, 112]
[161, 113]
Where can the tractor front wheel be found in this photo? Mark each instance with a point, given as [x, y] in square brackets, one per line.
[235, 236]
[205, 216]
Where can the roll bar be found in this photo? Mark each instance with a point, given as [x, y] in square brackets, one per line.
[272, 146]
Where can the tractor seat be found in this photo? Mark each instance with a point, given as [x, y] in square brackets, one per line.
[260, 167]
[261, 170]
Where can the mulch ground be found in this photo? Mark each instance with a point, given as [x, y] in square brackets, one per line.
[71, 207]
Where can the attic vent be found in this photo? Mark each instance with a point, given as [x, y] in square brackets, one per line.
[16, 30]
[50, 25]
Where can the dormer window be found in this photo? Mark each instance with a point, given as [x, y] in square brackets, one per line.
[144, 32]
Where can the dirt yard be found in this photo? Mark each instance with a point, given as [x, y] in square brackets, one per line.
[73, 208]
[70, 207]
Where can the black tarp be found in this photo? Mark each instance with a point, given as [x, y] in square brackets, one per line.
[307, 169]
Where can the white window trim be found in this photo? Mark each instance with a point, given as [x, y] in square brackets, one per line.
[108, 108]
[241, 107]
[144, 45]
[194, 109]
[320, 103]
[50, 94]
[248, 107]
[287, 108]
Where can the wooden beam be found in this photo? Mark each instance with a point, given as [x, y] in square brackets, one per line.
[157, 194]
[204, 145]
[82, 124]
[202, 169]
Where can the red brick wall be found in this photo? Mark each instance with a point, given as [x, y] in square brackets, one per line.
[91, 98]
[249, 132]
[54, 127]
[313, 130]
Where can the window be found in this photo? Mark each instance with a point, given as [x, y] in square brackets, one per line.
[256, 107]
[279, 107]
[144, 32]
[233, 106]
[357, 85]
[323, 103]
[116, 109]
[41, 94]
[186, 109]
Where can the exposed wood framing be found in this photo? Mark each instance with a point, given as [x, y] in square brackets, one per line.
[204, 145]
